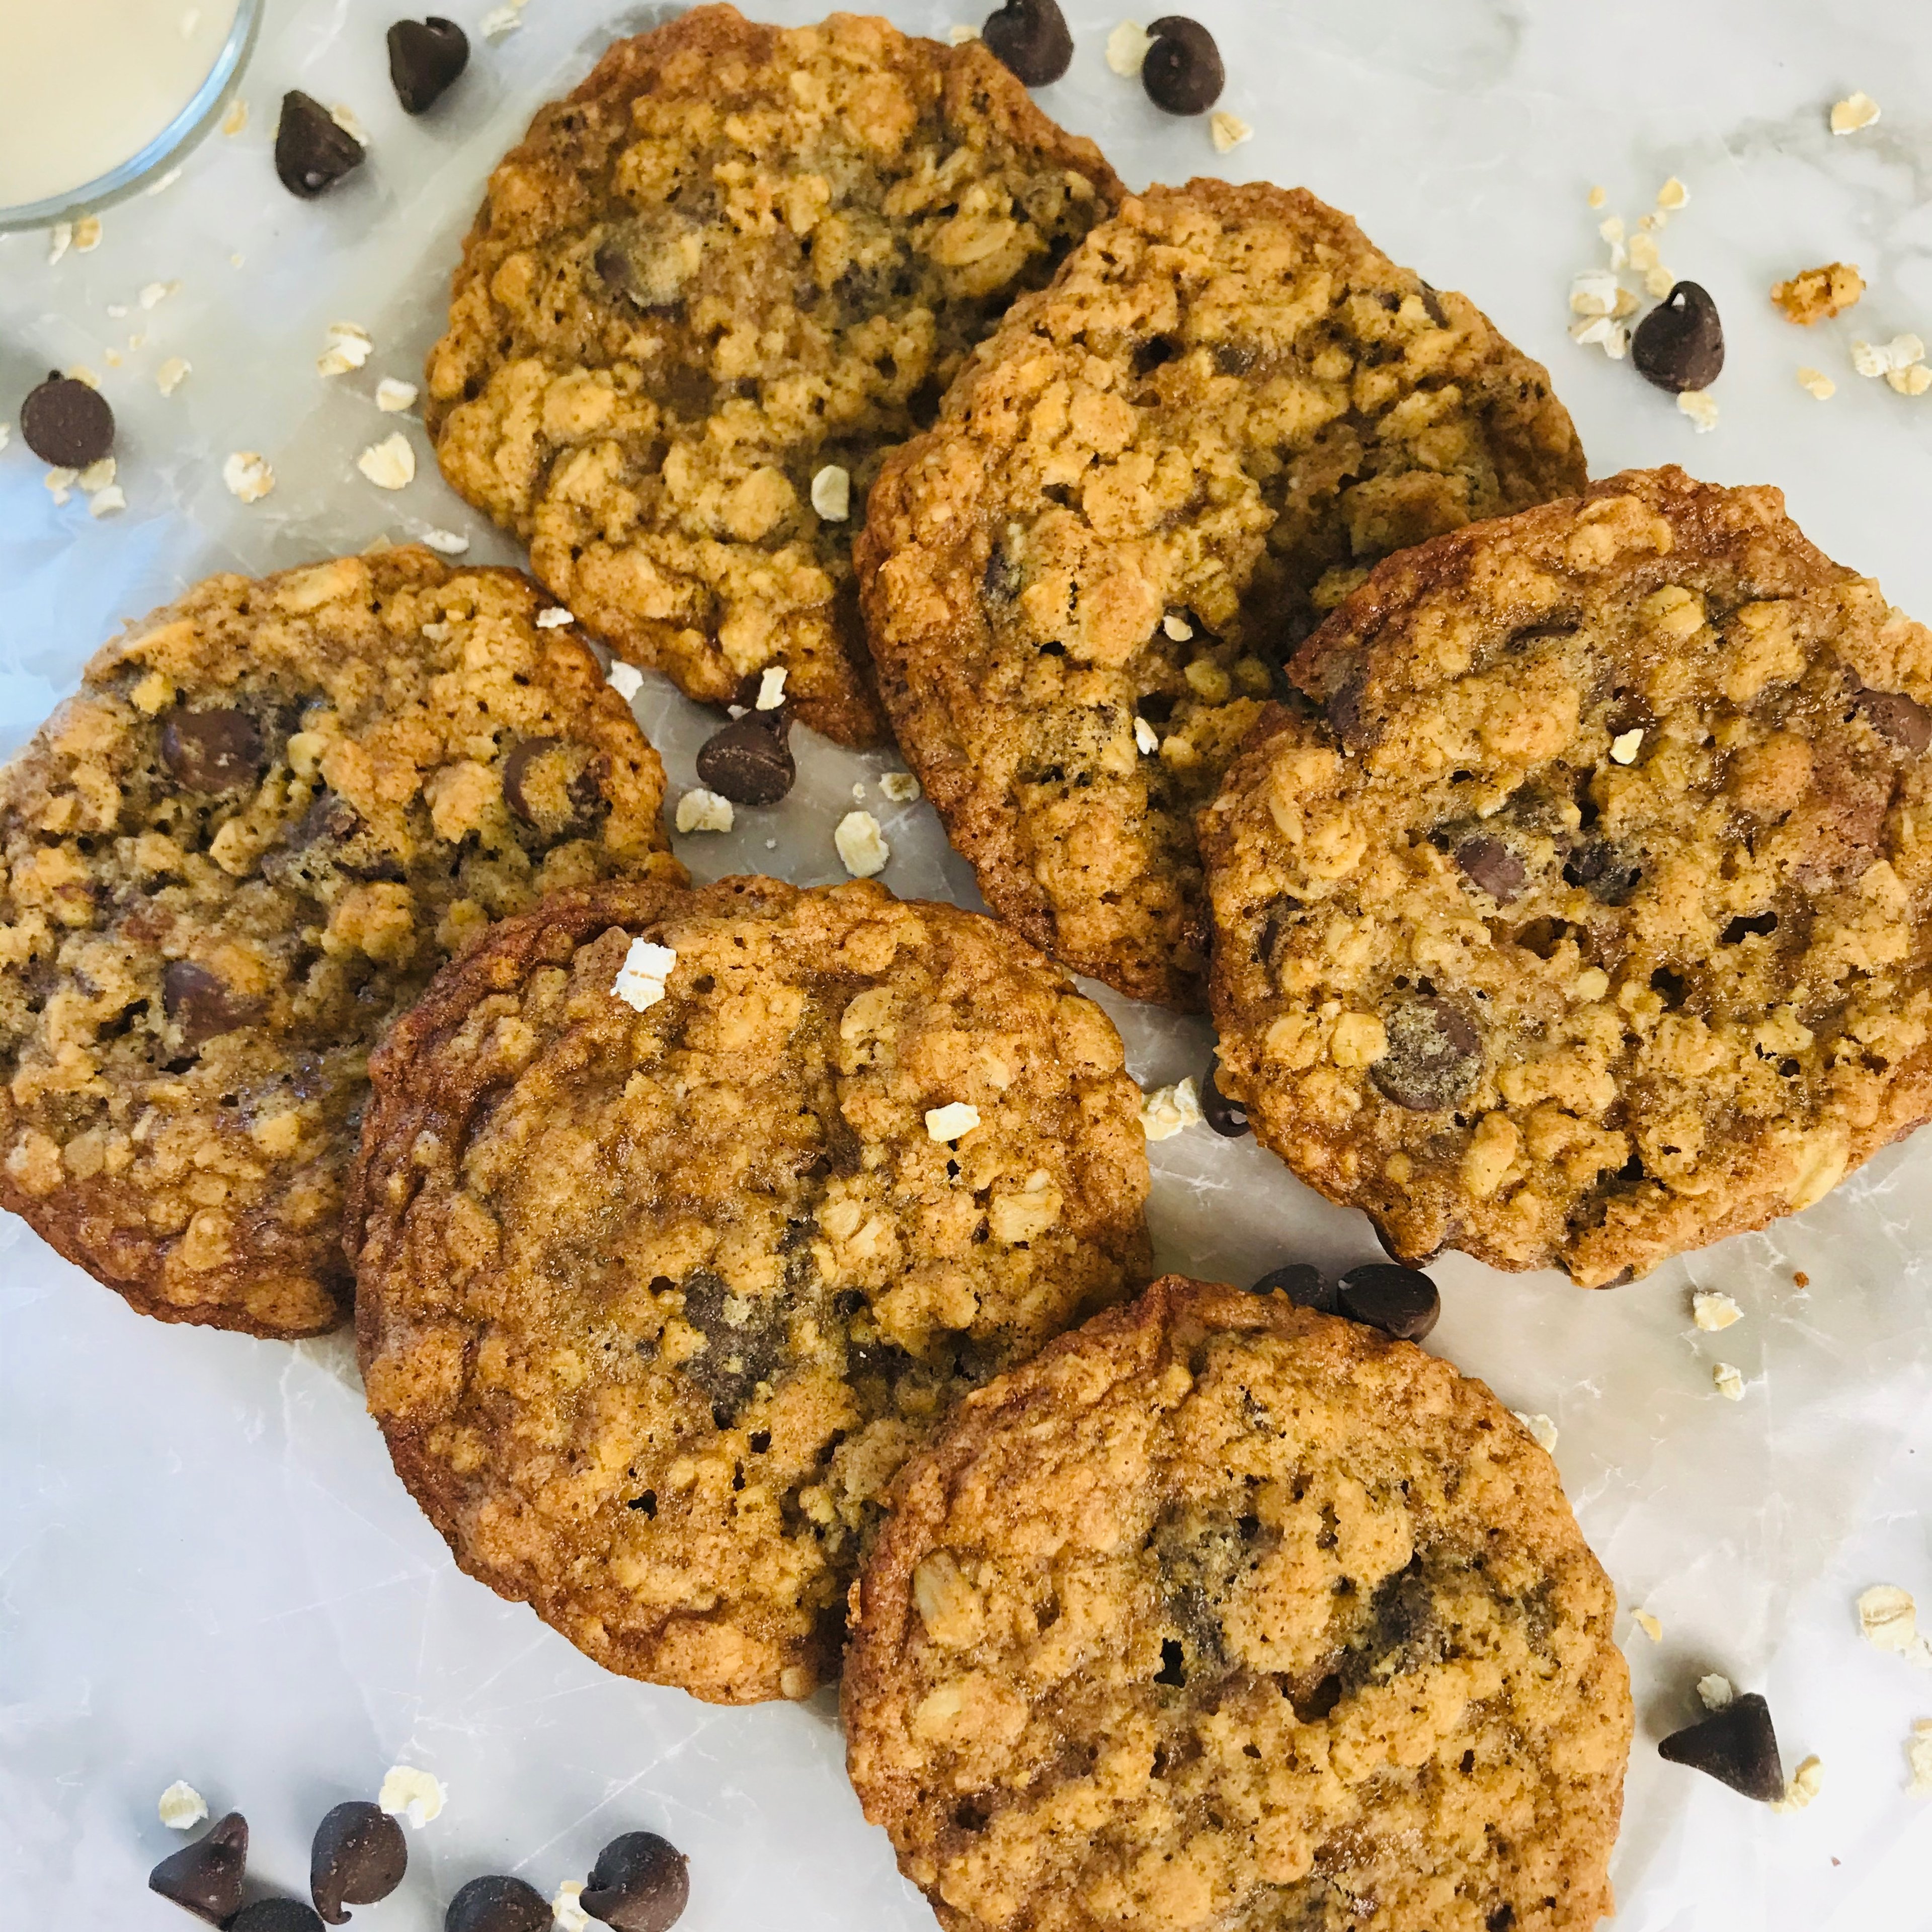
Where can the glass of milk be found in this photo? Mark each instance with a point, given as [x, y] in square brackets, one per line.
[98, 97]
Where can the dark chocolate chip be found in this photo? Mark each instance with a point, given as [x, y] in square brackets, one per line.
[425, 57]
[747, 762]
[1226, 1117]
[1680, 344]
[1400, 1301]
[206, 1877]
[1182, 73]
[1345, 714]
[1896, 718]
[275, 1915]
[1609, 872]
[358, 1857]
[1435, 1056]
[198, 1001]
[66, 423]
[312, 152]
[1490, 865]
[212, 750]
[1304, 1285]
[497, 1905]
[639, 1883]
[583, 795]
[1031, 37]
[1737, 1746]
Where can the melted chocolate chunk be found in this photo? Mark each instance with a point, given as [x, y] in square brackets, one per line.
[739, 1354]
[66, 423]
[1227, 1117]
[1030, 38]
[749, 761]
[1182, 73]
[206, 1877]
[1400, 1301]
[1435, 1056]
[583, 796]
[1737, 1746]
[1609, 872]
[1898, 719]
[425, 58]
[1490, 865]
[358, 1857]
[639, 1883]
[199, 1003]
[1680, 344]
[312, 153]
[212, 750]
[497, 1905]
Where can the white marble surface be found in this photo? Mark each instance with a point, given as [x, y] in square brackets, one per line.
[207, 1570]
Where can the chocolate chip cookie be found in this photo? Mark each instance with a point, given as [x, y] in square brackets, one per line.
[682, 1217]
[1144, 491]
[271, 811]
[1582, 913]
[706, 294]
[1224, 1612]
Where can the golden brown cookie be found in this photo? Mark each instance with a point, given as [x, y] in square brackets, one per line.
[271, 811]
[703, 299]
[1144, 492]
[1589, 919]
[684, 1214]
[1223, 1613]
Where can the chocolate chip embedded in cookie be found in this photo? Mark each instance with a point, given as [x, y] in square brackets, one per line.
[683, 1215]
[1581, 916]
[737, 258]
[1080, 586]
[1225, 1612]
[272, 811]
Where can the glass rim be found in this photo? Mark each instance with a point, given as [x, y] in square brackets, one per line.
[169, 146]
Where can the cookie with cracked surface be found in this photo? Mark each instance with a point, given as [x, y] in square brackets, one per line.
[271, 811]
[1144, 492]
[660, 1282]
[736, 257]
[1589, 919]
[1225, 1612]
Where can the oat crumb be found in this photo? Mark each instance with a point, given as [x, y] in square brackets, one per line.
[1127, 48]
[418, 1796]
[1918, 1755]
[1626, 745]
[861, 851]
[1804, 1784]
[960, 34]
[701, 811]
[390, 464]
[236, 119]
[949, 1122]
[1146, 739]
[1673, 195]
[60, 239]
[181, 1807]
[155, 293]
[105, 502]
[170, 375]
[1597, 196]
[1594, 291]
[902, 788]
[625, 680]
[495, 24]
[247, 476]
[1913, 381]
[1818, 383]
[343, 115]
[1542, 1429]
[832, 493]
[1713, 1312]
[1177, 627]
[87, 235]
[393, 395]
[567, 1911]
[1855, 111]
[640, 983]
[346, 346]
[1228, 130]
[1167, 1111]
[1701, 406]
[771, 688]
[1715, 1692]
[553, 617]
[1648, 1624]
[1727, 1381]
[1889, 1620]
[446, 543]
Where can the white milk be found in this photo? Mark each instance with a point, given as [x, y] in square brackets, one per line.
[85, 84]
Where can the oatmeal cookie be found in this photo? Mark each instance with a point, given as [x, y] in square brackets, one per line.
[271, 811]
[707, 293]
[1143, 492]
[683, 1214]
[1590, 918]
[1225, 1613]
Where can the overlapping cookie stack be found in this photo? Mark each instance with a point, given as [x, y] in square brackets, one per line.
[745, 1277]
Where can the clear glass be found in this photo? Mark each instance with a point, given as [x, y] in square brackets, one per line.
[166, 148]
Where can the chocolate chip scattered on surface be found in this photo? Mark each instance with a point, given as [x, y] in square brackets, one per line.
[1400, 1301]
[1680, 345]
[1182, 70]
[426, 57]
[276, 1915]
[312, 150]
[748, 761]
[1736, 1744]
[640, 1883]
[206, 1877]
[358, 1857]
[67, 422]
[497, 1904]
[1030, 38]
[1304, 1285]
[1229, 1118]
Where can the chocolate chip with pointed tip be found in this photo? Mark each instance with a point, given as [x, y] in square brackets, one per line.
[1304, 1285]
[1490, 865]
[1898, 719]
[313, 152]
[1031, 39]
[1400, 1301]
[639, 1883]
[747, 762]
[583, 795]
[1680, 344]
[497, 1904]
[358, 1856]
[1182, 73]
[67, 422]
[206, 1877]
[214, 750]
[1434, 1057]
[1229, 1118]
[425, 58]
[275, 1915]
[1736, 1745]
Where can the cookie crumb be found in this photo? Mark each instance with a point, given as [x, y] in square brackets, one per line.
[1715, 1692]
[1168, 1110]
[1228, 130]
[1727, 1381]
[1804, 1785]
[1541, 1429]
[1597, 196]
[1855, 111]
[701, 811]
[832, 493]
[1648, 1624]
[181, 1807]
[1817, 295]
[625, 680]
[390, 464]
[393, 395]
[902, 788]
[347, 346]
[1624, 748]
[1127, 48]
[861, 850]
[1918, 1755]
[1673, 195]
[567, 1913]
[236, 119]
[771, 688]
[949, 1122]
[247, 476]
[1146, 739]
[640, 983]
[170, 375]
[1701, 406]
[1801, 1279]
[1713, 1312]
[1820, 384]
[418, 1796]
[553, 617]
[446, 543]
[87, 235]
